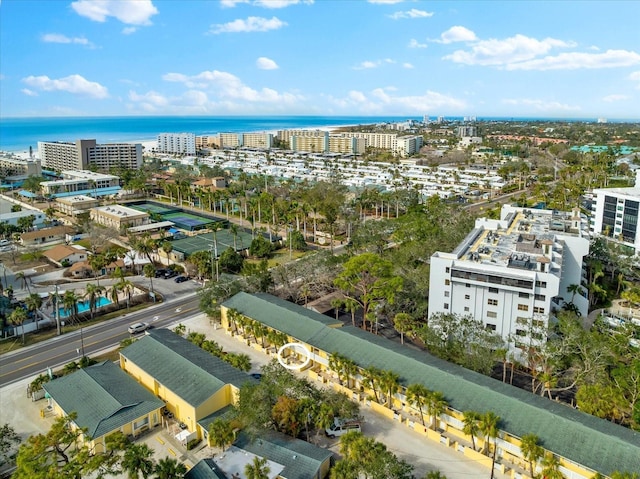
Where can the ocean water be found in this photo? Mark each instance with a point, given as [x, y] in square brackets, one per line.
[17, 134]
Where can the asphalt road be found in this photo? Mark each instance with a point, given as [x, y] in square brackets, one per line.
[34, 360]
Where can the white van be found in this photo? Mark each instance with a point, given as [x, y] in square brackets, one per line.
[342, 426]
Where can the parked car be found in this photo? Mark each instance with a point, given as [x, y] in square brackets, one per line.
[181, 279]
[160, 272]
[136, 328]
[342, 426]
[170, 274]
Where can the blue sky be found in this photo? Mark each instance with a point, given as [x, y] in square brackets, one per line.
[564, 59]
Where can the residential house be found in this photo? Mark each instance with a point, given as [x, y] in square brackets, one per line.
[64, 255]
[106, 400]
[45, 235]
[192, 382]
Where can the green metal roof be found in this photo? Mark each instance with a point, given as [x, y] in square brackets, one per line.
[104, 397]
[299, 322]
[205, 469]
[579, 437]
[182, 367]
[301, 460]
[227, 412]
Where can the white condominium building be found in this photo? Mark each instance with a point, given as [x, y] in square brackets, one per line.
[615, 216]
[512, 273]
[80, 155]
[178, 143]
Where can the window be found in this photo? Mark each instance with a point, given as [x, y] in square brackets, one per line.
[466, 309]
[492, 314]
[447, 269]
[521, 332]
[538, 310]
[467, 296]
[491, 327]
[523, 307]
[446, 305]
[541, 284]
[541, 297]
[523, 295]
[447, 282]
[446, 294]
[492, 302]
[493, 290]
[467, 285]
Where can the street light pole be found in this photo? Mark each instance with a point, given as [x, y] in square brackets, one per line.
[290, 243]
[57, 312]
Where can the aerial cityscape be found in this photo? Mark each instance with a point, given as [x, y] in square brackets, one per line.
[318, 239]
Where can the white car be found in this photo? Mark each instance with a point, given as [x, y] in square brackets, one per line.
[136, 328]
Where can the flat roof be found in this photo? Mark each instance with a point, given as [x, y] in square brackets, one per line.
[151, 226]
[120, 210]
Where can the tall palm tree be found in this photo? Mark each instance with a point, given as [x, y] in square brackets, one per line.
[551, 467]
[436, 405]
[97, 262]
[24, 280]
[149, 271]
[370, 379]
[417, 395]
[92, 294]
[169, 468]
[257, 469]
[33, 302]
[531, 450]
[17, 317]
[127, 287]
[488, 425]
[137, 460]
[470, 425]
[70, 303]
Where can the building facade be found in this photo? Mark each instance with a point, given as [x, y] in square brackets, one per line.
[83, 154]
[230, 140]
[179, 143]
[263, 141]
[512, 274]
[615, 216]
[76, 204]
[12, 166]
[118, 216]
[81, 181]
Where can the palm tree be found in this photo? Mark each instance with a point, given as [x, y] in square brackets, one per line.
[574, 289]
[70, 303]
[92, 294]
[470, 420]
[551, 467]
[149, 272]
[417, 395]
[531, 450]
[436, 405]
[24, 280]
[370, 379]
[127, 287]
[97, 262]
[488, 425]
[33, 302]
[17, 317]
[221, 434]
[169, 468]
[136, 460]
[258, 469]
[114, 294]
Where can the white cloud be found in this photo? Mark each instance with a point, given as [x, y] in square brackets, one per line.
[264, 63]
[577, 60]
[131, 12]
[614, 97]
[231, 3]
[407, 65]
[635, 76]
[413, 43]
[129, 30]
[518, 48]
[228, 86]
[251, 24]
[413, 13]
[279, 3]
[28, 92]
[385, 2]
[385, 100]
[75, 84]
[541, 105]
[457, 34]
[367, 64]
[60, 38]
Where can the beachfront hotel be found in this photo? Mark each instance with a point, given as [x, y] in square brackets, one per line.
[84, 154]
[179, 143]
[512, 274]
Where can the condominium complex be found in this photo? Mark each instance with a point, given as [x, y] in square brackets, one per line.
[85, 154]
[12, 166]
[230, 140]
[511, 274]
[118, 216]
[179, 143]
[615, 216]
[87, 182]
[248, 140]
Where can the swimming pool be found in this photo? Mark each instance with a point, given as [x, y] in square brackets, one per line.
[83, 306]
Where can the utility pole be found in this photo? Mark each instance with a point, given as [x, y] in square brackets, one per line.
[290, 242]
[57, 312]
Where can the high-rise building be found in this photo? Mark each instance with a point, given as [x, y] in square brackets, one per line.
[262, 141]
[512, 274]
[178, 143]
[230, 140]
[82, 154]
[615, 216]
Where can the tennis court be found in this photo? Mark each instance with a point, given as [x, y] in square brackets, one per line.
[148, 207]
[204, 242]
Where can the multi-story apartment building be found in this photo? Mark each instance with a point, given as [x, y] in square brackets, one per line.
[511, 274]
[118, 216]
[230, 140]
[13, 166]
[81, 181]
[207, 142]
[82, 154]
[313, 144]
[409, 145]
[178, 143]
[341, 144]
[615, 216]
[257, 140]
[284, 136]
[76, 204]
[383, 141]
